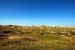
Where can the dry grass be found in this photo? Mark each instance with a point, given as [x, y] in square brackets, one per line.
[35, 38]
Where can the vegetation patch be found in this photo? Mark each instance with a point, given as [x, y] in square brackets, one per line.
[36, 38]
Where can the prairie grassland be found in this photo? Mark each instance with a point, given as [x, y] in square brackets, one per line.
[37, 38]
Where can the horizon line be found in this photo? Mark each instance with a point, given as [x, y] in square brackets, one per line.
[38, 25]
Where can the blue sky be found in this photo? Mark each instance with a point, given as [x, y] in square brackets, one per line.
[37, 12]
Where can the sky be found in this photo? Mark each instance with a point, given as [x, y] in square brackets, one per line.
[37, 12]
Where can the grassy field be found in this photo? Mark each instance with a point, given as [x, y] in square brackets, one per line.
[37, 38]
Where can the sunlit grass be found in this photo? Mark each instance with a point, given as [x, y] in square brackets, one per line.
[36, 40]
